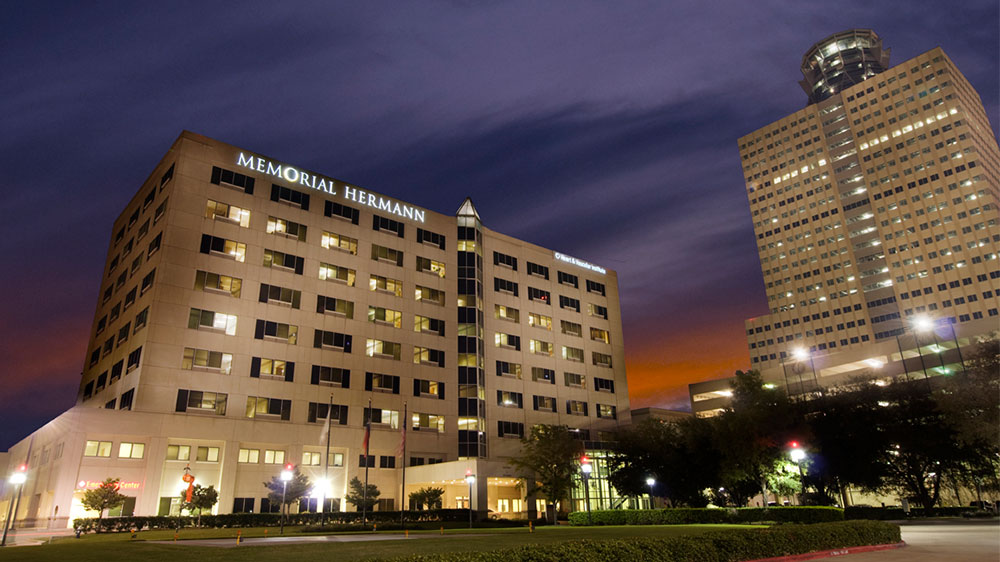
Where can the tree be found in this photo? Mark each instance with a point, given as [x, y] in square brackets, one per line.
[548, 461]
[430, 497]
[359, 499]
[105, 496]
[298, 488]
[202, 498]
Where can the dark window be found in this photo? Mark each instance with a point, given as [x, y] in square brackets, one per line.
[538, 270]
[334, 340]
[333, 376]
[290, 196]
[569, 303]
[504, 259]
[133, 359]
[432, 238]
[345, 212]
[539, 295]
[606, 385]
[388, 225]
[510, 429]
[229, 178]
[126, 400]
[280, 295]
[319, 411]
[567, 279]
[595, 287]
[503, 285]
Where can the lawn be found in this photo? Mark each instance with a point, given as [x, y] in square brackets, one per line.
[114, 547]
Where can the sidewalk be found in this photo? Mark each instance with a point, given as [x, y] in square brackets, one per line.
[951, 541]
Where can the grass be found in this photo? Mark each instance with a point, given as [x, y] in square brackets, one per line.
[115, 547]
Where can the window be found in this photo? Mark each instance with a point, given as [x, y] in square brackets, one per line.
[607, 411]
[382, 383]
[595, 287]
[339, 211]
[386, 419]
[539, 374]
[208, 402]
[289, 196]
[604, 385]
[370, 461]
[427, 265]
[510, 429]
[249, 456]
[505, 260]
[540, 347]
[540, 321]
[227, 213]
[427, 325]
[508, 341]
[203, 359]
[231, 179]
[154, 246]
[572, 354]
[276, 331]
[318, 413]
[338, 307]
[214, 245]
[576, 408]
[428, 295]
[263, 407]
[101, 324]
[131, 450]
[597, 334]
[428, 388]
[387, 255]
[331, 240]
[178, 452]
[386, 285]
[544, 403]
[147, 282]
[538, 270]
[510, 399]
[116, 371]
[286, 228]
[567, 279]
[216, 283]
[143, 230]
[569, 303]
[207, 454]
[379, 315]
[383, 349]
[575, 380]
[115, 312]
[507, 369]
[97, 449]
[507, 313]
[280, 295]
[539, 295]
[208, 320]
[243, 505]
[281, 260]
[272, 368]
[427, 422]
[330, 272]
[430, 238]
[136, 264]
[601, 359]
[388, 225]
[331, 376]
[133, 360]
[332, 340]
[504, 286]
[274, 456]
[428, 356]
[597, 310]
[161, 209]
[312, 459]
[123, 333]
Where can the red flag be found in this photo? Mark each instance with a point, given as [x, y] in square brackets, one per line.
[364, 444]
[402, 437]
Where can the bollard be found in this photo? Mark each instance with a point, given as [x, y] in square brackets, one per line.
[175, 537]
[531, 527]
[134, 531]
[374, 527]
[239, 536]
[265, 533]
[442, 529]
[407, 532]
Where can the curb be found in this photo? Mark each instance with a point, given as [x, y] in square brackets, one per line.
[831, 553]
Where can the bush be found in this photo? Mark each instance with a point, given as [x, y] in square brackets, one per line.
[714, 546]
[694, 515]
[897, 513]
[235, 520]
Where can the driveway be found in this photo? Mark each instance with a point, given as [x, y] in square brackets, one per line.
[972, 541]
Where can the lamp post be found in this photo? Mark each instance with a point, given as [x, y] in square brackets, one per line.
[470, 479]
[18, 479]
[650, 482]
[801, 354]
[585, 469]
[798, 455]
[286, 477]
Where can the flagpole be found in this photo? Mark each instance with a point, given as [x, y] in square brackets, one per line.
[402, 508]
[326, 465]
[364, 493]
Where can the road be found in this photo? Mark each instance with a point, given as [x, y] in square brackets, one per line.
[973, 541]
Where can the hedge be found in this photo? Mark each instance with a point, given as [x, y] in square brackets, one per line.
[714, 546]
[897, 513]
[123, 524]
[688, 516]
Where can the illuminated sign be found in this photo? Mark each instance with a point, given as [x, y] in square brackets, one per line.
[580, 263]
[327, 185]
[95, 484]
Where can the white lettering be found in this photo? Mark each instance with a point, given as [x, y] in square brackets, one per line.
[384, 204]
[350, 193]
[260, 164]
[289, 176]
[408, 211]
[371, 200]
[418, 214]
[580, 263]
[245, 161]
[273, 170]
[304, 179]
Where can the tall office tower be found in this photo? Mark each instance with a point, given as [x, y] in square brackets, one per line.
[245, 302]
[875, 212]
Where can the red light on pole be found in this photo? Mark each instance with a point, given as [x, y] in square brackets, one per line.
[288, 466]
[794, 444]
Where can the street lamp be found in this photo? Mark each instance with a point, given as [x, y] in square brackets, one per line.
[585, 469]
[798, 455]
[650, 482]
[470, 479]
[802, 354]
[286, 477]
[18, 479]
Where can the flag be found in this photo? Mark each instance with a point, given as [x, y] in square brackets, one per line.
[368, 430]
[326, 426]
[402, 435]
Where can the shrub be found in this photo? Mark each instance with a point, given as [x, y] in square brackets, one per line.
[693, 515]
[714, 546]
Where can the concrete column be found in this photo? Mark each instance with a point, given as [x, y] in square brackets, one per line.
[481, 498]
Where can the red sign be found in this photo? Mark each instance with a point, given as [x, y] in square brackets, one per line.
[95, 484]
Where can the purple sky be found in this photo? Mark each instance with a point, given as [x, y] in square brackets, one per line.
[604, 130]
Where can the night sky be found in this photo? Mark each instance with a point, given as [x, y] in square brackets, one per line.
[605, 130]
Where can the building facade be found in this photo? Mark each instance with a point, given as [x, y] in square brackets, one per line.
[247, 303]
[875, 212]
